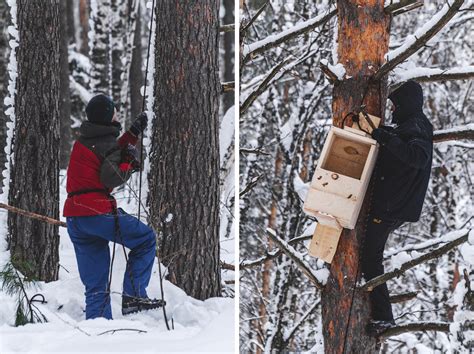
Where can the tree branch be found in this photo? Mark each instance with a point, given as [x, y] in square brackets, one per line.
[431, 75]
[254, 17]
[395, 299]
[253, 151]
[250, 51]
[227, 266]
[293, 255]
[263, 85]
[29, 214]
[271, 255]
[250, 186]
[228, 86]
[456, 133]
[402, 6]
[371, 284]
[227, 28]
[419, 39]
[416, 327]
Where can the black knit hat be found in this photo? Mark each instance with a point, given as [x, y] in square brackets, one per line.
[100, 109]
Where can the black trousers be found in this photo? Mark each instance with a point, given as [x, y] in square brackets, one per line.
[372, 264]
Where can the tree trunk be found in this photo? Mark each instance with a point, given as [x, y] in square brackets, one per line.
[34, 176]
[184, 175]
[363, 36]
[228, 98]
[71, 23]
[64, 98]
[84, 26]
[117, 48]
[136, 71]
[101, 75]
[4, 56]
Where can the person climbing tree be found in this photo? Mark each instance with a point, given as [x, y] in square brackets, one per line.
[401, 180]
[98, 163]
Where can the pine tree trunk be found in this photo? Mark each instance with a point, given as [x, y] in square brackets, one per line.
[363, 37]
[4, 57]
[101, 75]
[136, 71]
[34, 176]
[228, 97]
[118, 34]
[184, 175]
[84, 26]
[71, 22]
[64, 99]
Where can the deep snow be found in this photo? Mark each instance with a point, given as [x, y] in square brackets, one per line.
[205, 326]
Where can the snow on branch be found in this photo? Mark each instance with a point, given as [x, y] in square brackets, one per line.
[414, 42]
[333, 72]
[415, 327]
[250, 51]
[265, 84]
[292, 331]
[402, 6]
[318, 280]
[273, 254]
[430, 75]
[421, 246]
[371, 284]
[456, 133]
[228, 86]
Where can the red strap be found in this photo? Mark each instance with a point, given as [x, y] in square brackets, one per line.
[125, 166]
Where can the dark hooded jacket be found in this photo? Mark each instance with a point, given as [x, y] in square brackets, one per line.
[404, 164]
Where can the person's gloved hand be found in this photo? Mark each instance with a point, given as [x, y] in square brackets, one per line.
[381, 135]
[130, 155]
[140, 124]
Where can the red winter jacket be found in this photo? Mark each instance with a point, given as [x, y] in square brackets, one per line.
[96, 163]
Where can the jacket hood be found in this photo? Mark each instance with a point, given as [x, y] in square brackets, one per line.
[408, 102]
[94, 130]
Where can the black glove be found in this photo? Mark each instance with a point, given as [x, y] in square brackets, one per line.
[131, 155]
[140, 124]
[381, 135]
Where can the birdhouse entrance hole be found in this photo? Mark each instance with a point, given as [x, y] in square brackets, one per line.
[346, 157]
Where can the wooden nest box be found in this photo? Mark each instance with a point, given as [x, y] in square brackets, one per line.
[339, 185]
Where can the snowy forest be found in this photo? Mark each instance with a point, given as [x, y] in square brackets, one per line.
[173, 60]
[297, 73]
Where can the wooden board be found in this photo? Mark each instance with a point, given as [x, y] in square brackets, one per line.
[341, 178]
[365, 125]
[324, 242]
[346, 157]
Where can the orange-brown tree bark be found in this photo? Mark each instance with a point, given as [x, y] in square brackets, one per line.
[363, 37]
[184, 172]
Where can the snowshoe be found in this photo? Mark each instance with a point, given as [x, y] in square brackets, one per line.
[376, 328]
[135, 304]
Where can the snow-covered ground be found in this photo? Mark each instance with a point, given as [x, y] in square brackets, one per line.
[199, 326]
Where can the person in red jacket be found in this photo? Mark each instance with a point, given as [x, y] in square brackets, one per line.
[100, 162]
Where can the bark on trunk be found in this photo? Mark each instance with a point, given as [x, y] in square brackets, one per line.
[101, 75]
[228, 97]
[84, 26]
[136, 71]
[184, 175]
[64, 99]
[4, 57]
[71, 23]
[363, 36]
[34, 178]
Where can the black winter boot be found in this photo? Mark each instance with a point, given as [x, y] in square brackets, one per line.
[375, 327]
[134, 304]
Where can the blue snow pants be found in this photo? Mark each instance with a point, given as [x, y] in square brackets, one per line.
[90, 236]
